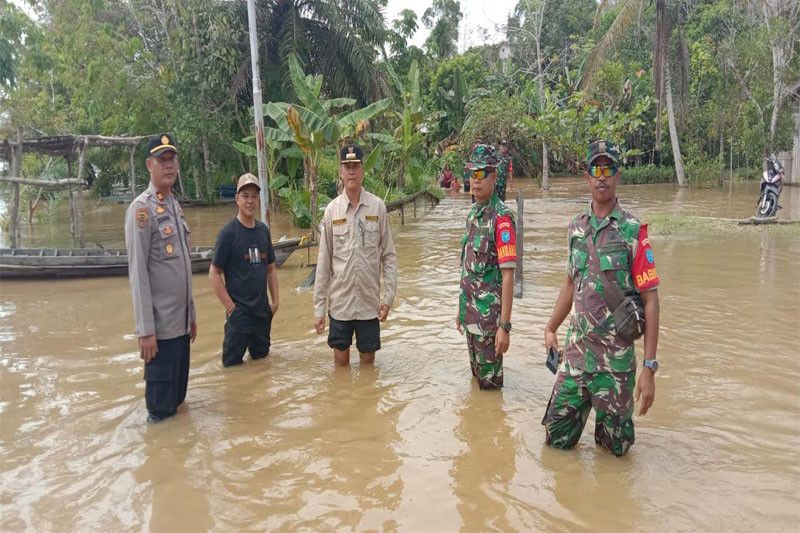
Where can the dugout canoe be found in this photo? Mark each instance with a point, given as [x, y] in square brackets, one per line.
[53, 263]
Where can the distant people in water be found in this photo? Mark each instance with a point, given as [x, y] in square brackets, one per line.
[447, 178]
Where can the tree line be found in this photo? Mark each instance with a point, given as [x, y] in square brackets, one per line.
[693, 85]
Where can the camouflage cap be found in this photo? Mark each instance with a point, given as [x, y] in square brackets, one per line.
[602, 148]
[482, 156]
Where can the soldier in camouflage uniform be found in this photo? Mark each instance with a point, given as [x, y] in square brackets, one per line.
[598, 368]
[488, 258]
[504, 170]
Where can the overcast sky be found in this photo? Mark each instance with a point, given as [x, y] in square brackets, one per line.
[482, 23]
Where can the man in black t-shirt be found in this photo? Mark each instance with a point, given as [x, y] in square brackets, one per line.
[242, 268]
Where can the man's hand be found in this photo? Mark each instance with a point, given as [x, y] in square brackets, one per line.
[501, 342]
[148, 348]
[646, 390]
[383, 312]
[192, 331]
[274, 307]
[319, 324]
[550, 339]
[458, 324]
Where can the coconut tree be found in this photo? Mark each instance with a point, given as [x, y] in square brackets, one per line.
[629, 13]
[336, 39]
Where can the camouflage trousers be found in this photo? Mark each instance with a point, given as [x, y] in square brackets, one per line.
[575, 393]
[485, 364]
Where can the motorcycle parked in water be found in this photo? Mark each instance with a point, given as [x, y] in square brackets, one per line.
[771, 186]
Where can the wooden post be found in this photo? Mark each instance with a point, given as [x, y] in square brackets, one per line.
[520, 241]
[132, 178]
[78, 235]
[402, 215]
[16, 167]
[415, 207]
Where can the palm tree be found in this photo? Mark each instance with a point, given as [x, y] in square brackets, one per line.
[629, 13]
[337, 39]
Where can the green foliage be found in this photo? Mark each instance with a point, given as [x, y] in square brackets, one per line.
[297, 200]
[452, 85]
[704, 174]
[502, 117]
[645, 174]
[442, 19]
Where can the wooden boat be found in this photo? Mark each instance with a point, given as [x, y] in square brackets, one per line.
[45, 263]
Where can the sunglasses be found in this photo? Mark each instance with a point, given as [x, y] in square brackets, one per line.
[602, 171]
[482, 174]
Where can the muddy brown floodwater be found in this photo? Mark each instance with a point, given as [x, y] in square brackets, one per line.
[412, 444]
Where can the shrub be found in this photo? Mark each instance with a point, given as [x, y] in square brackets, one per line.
[703, 174]
[647, 174]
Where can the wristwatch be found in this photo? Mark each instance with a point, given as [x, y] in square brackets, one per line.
[506, 326]
[651, 364]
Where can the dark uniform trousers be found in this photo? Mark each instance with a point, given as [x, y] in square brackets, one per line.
[167, 376]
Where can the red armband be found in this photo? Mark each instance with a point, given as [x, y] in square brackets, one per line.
[505, 239]
[644, 272]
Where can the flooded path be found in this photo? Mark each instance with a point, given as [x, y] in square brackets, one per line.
[412, 444]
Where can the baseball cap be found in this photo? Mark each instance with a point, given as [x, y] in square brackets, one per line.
[482, 156]
[602, 148]
[247, 179]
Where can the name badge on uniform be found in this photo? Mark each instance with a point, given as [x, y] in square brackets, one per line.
[339, 221]
[372, 218]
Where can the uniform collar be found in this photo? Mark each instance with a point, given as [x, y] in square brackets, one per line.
[363, 199]
[479, 208]
[153, 192]
[615, 213]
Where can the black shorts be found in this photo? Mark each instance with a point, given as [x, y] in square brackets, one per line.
[244, 331]
[368, 334]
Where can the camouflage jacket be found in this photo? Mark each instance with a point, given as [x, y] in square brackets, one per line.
[592, 344]
[481, 263]
[502, 176]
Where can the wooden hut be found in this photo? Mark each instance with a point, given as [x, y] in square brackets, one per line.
[73, 149]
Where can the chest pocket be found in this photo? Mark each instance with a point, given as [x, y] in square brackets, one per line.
[614, 256]
[479, 250]
[579, 257]
[371, 233]
[341, 240]
[168, 238]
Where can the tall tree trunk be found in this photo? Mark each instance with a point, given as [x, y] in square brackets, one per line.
[312, 175]
[778, 66]
[206, 168]
[538, 39]
[673, 129]
[16, 171]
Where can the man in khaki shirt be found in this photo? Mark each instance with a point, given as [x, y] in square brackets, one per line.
[355, 249]
[160, 272]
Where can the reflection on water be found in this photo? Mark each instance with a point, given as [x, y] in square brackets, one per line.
[410, 444]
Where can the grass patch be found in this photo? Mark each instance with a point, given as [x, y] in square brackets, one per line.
[662, 224]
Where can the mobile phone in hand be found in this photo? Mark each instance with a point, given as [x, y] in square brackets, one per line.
[553, 357]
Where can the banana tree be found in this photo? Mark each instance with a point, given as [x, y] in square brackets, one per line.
[407, 136]
[313, 126]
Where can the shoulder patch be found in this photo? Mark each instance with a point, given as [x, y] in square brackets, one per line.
[339, 221]
[142, 216]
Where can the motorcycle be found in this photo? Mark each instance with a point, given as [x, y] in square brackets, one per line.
[771, 186]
